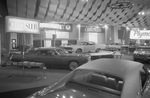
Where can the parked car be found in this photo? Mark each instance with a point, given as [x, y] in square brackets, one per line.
[84, 46]
[114, 46]
[53, 57]
[102, 54]
[103, 78]
[142, 53]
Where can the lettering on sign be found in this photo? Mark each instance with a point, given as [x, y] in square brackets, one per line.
[22, 25]
[140, 34]
[91, 29]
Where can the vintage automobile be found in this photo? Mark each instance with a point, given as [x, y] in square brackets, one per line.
[84, 46]
[142, 53]
[103, 78]
[101, 54]
[53, 57]
[114, 46]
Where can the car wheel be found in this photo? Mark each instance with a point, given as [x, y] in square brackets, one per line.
[79, 51]
[97, 50]
[73, 65]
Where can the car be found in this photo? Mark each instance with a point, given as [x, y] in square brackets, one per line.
[53, 57]
[101, 54]
[102, 78]
[142, 53]
[84, 46]
[114, 46]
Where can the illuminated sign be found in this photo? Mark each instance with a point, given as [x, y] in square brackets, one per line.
[22, 25]
[55, 26]
[139, 34]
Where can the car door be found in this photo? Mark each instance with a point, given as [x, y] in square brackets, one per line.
[89, 46]
[42, 56]
[30, 57]
[50, 58]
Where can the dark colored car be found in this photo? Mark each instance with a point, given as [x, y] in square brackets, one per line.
[53, 58]
[103, 78]
[142, 53]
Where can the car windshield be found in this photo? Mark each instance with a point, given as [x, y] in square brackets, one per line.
[143, 48]
[99, 80]
[61, 51]
[81, 43]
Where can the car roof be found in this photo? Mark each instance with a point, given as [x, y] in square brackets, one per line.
[117, 67]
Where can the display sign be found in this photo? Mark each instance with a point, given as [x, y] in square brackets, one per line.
[139, 34]
[91, 29]
[21, 25]
[56, 26]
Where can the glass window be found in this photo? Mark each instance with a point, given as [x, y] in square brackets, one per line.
[41, 52]
[97, 79]
[61, 51]
[144, 78]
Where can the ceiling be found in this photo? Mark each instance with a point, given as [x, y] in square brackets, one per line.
[84, 11]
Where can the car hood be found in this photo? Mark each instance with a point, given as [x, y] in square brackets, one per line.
[72, 93]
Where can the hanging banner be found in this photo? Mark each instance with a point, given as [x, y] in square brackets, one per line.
[21, 25]
[139, 34]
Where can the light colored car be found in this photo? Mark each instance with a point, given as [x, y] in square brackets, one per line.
[102, 54]
[84, 46]
[103, 78]
[114, 46]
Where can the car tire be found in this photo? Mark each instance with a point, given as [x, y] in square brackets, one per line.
[73, 65]
[97, 50]
[79, 51]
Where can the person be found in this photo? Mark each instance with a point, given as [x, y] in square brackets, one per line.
[117, 54]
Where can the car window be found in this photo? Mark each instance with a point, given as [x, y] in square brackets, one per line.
[90, 43]
[61, 51]
[143, 48]
[108, 83]
[51, 52]
[81, 43]
[41, 52]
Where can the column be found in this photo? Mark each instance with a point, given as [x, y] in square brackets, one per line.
[106, 34]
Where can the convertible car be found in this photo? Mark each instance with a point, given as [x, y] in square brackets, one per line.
[102, 78]
[53, 57]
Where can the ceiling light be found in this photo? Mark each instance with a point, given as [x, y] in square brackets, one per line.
[106, 26]
[127, 28]
[84, 0]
